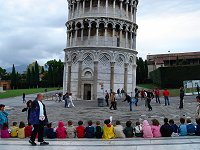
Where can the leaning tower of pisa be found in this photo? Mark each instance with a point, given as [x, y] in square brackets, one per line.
[101, 47]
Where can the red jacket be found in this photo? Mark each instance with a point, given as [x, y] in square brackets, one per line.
[165, 93]
[157, 93]
[80, 132]
[61, 130]
[28, 131]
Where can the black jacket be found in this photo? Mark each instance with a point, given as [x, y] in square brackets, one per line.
[166, 130]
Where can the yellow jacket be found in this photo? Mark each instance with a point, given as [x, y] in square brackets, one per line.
[14, 131]
[21, 133]
[108, 131]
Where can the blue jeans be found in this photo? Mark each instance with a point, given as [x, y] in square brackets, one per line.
[166, 100]
[130, 104]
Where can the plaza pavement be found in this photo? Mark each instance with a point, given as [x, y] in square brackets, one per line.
[89, 110]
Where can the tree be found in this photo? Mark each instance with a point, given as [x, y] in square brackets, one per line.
[141, 71]
[13, 78]
[28, 78]
[32, 77]
[37, 78]
[2, 73]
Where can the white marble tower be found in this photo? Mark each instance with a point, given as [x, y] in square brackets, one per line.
[101, 47]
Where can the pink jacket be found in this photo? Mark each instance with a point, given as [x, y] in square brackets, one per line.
[147, 133]
[5, 133]
[156, 131]
[61, 130]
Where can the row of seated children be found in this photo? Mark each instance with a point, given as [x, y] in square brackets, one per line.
[108, 131]
[16, 132]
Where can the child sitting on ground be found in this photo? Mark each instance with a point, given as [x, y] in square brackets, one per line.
[128, 131]
[98, 130]
[80, 130]
[155, 128]
[14, 130]
[5, 131]
[28, 130]
[50, 133]
[61, 130]
[182, 129]
[21, 131]
[89, 130]
[138, 130]
[174, 126]
[118, 130]
[190, 127]
[71, 130]
[108, 130]
[147, 133]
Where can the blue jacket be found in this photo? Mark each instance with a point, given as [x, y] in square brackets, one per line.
[3, 117]
[182, 130]
[89, 132]
[190, 129]
[197, 131]
[35, 113]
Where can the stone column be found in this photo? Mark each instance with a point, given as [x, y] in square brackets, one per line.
[125, 76]
[112, 73]
[113, 44]
[79, 78]
[97, 35]
[106, 7]
[75, 37]
[90, 6]
[131, 11]
[69, 15]
[83, 7]
[114, 3]
[95, 80]
[126, 41]
[78, 5]
[64, 76]
[134, 78]
[71, 38]
[120, 37]
[127, 1]
[134, 40]
[131, 47]
[105, 36]
[121, 8]
[69, 77]
[134, 12]
[82, 35]
[68, 39]
[73, 9]
[89, 31]
[98, 5]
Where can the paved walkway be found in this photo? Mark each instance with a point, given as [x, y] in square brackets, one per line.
[180, 143]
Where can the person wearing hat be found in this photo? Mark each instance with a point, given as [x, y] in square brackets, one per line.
[3, 115]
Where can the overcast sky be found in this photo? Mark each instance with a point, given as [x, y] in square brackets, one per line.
[35, 29]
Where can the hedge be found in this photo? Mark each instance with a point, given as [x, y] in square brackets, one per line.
[173, 77]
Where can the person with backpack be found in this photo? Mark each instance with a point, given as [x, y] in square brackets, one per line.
[129, 100]
[106, 98]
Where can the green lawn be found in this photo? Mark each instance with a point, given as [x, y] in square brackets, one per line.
[173, 92]
[19, 92]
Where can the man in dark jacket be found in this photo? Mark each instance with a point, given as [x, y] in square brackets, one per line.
[166, 129]
[182, 94]
[129, 100]
[38, 119]
[149, 97]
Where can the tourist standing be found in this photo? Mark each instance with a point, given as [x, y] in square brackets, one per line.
[122, 92]
[149, 97]
[129, 100]
[28, 109]
[106, 97]
[66, 99]
[182, 94]
[113, 101]
[166, 97]
[24, 97]
[3, 115]
[198, 107]
[136, 96]
[157, 95]
[38, 118]
[142, 94]
[70, 101]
